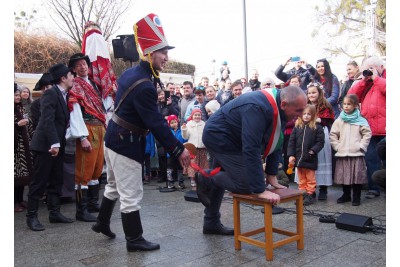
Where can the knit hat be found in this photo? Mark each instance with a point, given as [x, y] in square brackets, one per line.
[213, 106]
[193, 112]
[149, 34]
[172, 118]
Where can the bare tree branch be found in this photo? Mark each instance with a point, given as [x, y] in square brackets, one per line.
[70, 16]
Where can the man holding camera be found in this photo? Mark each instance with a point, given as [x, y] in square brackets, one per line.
[304, 73]
[371, 91]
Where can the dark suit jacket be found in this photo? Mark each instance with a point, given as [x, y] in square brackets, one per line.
[35, 113]
[53, 121]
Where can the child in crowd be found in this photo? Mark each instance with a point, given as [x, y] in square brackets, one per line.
[306, 140]
[212, 106]
[174, 171]
[193, 132]
[349, 137]
[150, 152]
[326, 117]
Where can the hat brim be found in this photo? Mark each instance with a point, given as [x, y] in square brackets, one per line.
[71, 63]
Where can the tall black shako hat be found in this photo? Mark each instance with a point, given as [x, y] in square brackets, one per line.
[43, 81]
[57, 71]
[76, 57]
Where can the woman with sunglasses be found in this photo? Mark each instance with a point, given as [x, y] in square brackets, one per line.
[330, 83]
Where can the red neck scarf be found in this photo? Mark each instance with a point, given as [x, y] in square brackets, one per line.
[86, 95]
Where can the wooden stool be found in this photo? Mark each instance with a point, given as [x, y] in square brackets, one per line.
[286, 195]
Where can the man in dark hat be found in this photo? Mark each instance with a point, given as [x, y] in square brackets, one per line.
[135, 112]
[88, 119]
[43, 84]
[47, 145]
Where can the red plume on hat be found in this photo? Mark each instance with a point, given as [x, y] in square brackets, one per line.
[149, 34]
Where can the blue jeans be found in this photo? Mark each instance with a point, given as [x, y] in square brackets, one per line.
[231, 177]
[373, 162]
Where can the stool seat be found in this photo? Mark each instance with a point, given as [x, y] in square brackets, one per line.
[286, 195]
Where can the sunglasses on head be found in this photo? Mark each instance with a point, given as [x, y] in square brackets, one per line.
[200, 88]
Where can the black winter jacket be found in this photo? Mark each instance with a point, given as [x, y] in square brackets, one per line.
[301, 141]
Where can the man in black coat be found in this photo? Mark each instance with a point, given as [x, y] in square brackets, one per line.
[47, 145]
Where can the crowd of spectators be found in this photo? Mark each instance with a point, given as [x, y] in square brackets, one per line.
[186, 108]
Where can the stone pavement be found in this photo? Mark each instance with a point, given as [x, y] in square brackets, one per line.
[176, 225]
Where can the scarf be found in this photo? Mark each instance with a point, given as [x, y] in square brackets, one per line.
[354, 118]
[87, 96]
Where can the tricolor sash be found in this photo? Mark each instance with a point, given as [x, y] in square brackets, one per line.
[276, 139]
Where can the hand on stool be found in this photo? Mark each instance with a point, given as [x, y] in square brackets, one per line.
[272, 180]
[271, 197]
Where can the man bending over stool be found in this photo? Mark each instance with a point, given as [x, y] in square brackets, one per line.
[235, 136]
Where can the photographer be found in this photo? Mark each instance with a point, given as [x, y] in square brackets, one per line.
[304, 73]
[165, 104]
[371, 90]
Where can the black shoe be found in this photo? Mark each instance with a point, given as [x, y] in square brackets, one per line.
[344, 198]
[202, 189]
[323, 195]
[104, 229]
[220, 230]
[356, 202]
[57, 217]
[141, 244]
[93, 198]
[307, 200]
[181, 185]
[34, 224]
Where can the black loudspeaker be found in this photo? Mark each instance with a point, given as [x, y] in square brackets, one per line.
[353, 222]
[125, 48]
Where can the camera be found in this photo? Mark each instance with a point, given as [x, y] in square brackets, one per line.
[294, 59]
[367, 73]
[167, 95]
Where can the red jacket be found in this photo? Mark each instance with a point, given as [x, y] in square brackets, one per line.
[373, 103]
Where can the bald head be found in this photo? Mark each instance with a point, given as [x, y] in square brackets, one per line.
[293, 101]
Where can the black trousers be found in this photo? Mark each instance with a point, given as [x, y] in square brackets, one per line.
[47, 175]
[173, 163]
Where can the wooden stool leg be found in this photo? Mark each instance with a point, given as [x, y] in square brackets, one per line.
[236, 223]
[299, 222]
[269, 246]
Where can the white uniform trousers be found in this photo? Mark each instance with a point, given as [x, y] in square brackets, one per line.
[124, 180]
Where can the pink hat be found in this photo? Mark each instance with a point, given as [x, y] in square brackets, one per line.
[172, 118]
[195, 111]
[149, 34]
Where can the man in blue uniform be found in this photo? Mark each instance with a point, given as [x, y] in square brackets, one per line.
[135, 112]
[236, 136]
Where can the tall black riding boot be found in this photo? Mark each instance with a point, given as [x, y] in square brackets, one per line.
[346, 197]
[103, 219]
[82, 213]
[53, 205]
[356, 194]
[323, 192]
[133, 233]
[93, 198]
[31, 216]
